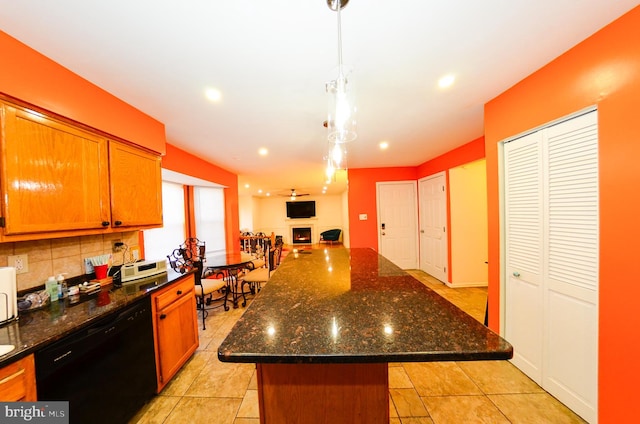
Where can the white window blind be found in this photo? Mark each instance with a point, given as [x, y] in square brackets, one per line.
[160, 242]
[209, 215]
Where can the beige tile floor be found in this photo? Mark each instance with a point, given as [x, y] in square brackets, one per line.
[209, 391]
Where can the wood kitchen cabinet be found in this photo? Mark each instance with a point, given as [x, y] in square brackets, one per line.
[59, 179]
[136, 186]
[54, 177]
[18, 381]
[175, 328]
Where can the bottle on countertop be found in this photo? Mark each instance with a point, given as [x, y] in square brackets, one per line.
[62, 286]
[51, 286]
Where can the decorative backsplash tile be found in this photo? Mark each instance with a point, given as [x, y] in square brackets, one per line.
[63, 255]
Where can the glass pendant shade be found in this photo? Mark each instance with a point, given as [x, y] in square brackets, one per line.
[341, 122]
[337, 157]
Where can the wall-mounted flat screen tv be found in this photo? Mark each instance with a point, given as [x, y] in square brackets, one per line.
[298, 209]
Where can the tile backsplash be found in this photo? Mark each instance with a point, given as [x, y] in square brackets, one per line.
[63, 255]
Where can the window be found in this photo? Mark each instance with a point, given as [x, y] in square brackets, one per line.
[208, 206]
[160, 242]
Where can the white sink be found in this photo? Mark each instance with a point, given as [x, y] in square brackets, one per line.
[4, 349]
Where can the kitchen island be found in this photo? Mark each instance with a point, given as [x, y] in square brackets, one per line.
[325, 327]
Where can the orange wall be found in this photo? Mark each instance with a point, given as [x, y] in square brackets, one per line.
[603, 70]
[31, 77]
[185, 163]
[472, 151]
[362, 199]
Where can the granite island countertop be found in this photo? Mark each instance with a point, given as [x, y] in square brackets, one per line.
[354, 306]
[36, 329]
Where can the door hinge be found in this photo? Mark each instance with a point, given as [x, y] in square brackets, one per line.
[442, 188]
[445, 269]
[2, 223]
[444, 229]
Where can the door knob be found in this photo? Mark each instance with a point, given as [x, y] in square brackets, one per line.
[516, 274]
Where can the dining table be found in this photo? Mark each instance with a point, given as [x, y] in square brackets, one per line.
[231, 265]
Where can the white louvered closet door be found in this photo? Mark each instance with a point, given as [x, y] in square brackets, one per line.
[560, 315]
[524, 247]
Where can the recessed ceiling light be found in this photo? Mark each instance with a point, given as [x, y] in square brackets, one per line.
[383, 145]
[446, 81]
[247, 185]
[263, 151]
[259, 191]
[213, 94]
[268, 194]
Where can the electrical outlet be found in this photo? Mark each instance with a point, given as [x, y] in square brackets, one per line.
[19, 262]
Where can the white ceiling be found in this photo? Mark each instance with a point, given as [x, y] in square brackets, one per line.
[270, 60]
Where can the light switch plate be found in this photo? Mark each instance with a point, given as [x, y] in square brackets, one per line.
[363, 217]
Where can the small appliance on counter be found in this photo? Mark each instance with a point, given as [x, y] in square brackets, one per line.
[142, 269]
[8, 295]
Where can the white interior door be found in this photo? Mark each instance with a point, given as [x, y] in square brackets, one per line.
[398, 222]
[552, 239]
[571, 269]
[433, 226]
[523, 225]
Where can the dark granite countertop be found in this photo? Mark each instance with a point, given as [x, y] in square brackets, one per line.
[35, 329]
[354, 306]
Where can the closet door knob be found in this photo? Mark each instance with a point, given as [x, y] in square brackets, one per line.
[516, 274]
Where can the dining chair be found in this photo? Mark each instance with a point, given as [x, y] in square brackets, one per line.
[210, 286]
[255, 278]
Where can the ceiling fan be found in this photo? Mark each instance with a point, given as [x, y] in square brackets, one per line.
[294, 194]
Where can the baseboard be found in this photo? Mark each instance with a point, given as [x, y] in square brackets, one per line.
[466, 284]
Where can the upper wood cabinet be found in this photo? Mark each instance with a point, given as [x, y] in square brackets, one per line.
[54, 177]
[136, 187]
[58, 179]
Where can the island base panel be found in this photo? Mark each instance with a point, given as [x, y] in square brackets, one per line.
[323, 393]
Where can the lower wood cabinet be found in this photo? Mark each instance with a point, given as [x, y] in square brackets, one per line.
[18, 381]
[175, 327]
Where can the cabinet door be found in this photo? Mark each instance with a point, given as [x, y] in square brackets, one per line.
[54, 176]
[176, 335]
[18, 381]
[136, 187]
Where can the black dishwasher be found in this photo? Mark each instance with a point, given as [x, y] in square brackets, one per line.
[106, 371]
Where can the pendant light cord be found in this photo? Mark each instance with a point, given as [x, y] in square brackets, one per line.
[339, 2]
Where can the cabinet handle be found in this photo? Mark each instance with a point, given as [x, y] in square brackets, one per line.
[163, 316]
[179, 292]
[8, 378]
[118, 223]
[105, 223]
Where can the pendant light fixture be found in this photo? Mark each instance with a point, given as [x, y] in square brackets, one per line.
[341, 118]
[341, 122]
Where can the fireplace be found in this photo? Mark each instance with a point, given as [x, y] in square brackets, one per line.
[301, 235]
